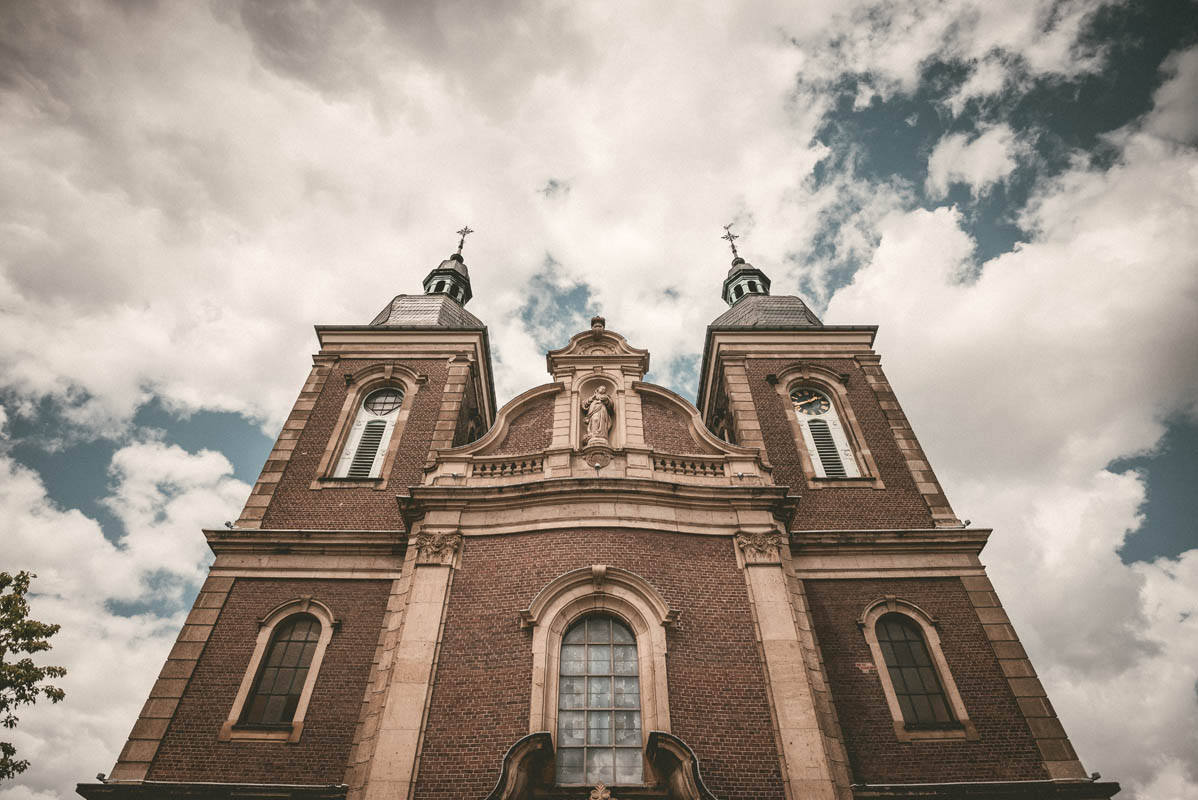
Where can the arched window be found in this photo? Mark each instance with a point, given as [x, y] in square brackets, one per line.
[279, 679]
[370, 434]
[284, 671]
[829, 448]
[920, 692]
[912, 673]
[599, 704]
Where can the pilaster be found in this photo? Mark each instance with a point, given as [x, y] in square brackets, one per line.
[745, 421]
[807, 764]
[388, 771]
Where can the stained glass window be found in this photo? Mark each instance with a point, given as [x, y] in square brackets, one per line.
[599, 705]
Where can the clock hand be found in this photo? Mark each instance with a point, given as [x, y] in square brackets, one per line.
[802, 403]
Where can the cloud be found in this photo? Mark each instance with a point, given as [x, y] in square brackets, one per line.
[1058, 358]
[190, 187]
[977, 161]
[163, 495]
[1175, 115]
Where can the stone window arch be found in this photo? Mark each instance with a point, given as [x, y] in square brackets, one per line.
[599, 592]
[831, 445]
[365, 440]
[304, 626]
[920, 692]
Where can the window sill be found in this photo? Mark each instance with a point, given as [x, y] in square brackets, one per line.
[347, 483]
[851, 483]
[287, 732]
[917, 732]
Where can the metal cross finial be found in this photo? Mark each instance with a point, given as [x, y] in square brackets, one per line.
[464, 232]
[731, 237]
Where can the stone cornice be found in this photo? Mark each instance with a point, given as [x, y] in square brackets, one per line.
[598, 503]
[965, 540]
[262, 541]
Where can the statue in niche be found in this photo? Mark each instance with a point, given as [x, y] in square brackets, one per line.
[597, 411]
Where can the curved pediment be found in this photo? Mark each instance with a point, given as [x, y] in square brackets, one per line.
[674, 426]
[523, 425]
[597, 347]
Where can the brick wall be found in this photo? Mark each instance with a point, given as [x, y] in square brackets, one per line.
[296, 505]
[480, 700]
[665, 429]
[190, 750]
[899, 505]
[531, 430]
[1005, 749]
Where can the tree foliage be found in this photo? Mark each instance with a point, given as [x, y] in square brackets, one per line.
[21, 679]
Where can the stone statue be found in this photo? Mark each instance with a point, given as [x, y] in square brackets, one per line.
[598, 410]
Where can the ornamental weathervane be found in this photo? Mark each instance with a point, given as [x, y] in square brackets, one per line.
[464, 232]
[731, 237]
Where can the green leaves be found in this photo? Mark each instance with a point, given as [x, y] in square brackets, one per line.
[21, 680]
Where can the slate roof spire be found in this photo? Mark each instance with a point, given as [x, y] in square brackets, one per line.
[747, 290]
[446, 292]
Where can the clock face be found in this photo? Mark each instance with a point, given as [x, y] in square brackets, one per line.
[809, 402]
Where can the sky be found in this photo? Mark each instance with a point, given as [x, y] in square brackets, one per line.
[1009, 190]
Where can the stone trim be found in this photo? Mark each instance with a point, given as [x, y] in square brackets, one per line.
[832, 384]
[272, 471]
[1060, 759]
[266, 631]
[917, 462]
[817, 676]
[944, 552]
[573, 503]
[363, 382]
[366, 731]
[396, 732]
[610, 590]
[133, 763]
[868, 622]
[746, 425]
[461, 369]
[806, 756]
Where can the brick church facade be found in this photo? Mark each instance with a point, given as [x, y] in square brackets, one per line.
[599, 590]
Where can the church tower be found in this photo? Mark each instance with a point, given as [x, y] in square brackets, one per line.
[600, 590]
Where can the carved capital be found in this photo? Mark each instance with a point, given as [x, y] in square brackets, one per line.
[437, 548]
[759, 547]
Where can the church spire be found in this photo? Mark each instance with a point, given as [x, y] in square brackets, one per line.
[743, 279]
[451, 276]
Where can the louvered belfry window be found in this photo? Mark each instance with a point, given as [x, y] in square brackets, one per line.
[826, 448]
[371, 432]
[916, 684]
[823, 435]
[599, 705]
[280, 682]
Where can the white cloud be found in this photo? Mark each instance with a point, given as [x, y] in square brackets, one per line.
[1059, 358]
[988, 78]
[977, 161]
[1175, 115]
[164, 495]
[173, 225]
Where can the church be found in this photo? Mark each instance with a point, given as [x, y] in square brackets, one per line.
[599, 590]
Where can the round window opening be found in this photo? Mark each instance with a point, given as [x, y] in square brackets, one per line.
[384, 401]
